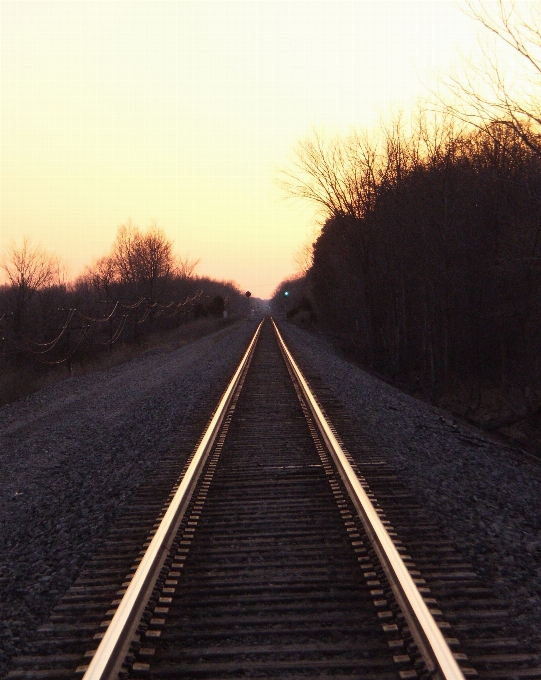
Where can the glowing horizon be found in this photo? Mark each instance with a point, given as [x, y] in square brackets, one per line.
[182, 112]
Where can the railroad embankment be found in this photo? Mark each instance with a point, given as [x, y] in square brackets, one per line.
[19, 381]
[487, 496]
[71, 454]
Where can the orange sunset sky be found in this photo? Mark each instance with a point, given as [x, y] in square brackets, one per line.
[182, 113]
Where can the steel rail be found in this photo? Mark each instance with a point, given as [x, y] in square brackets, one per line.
[112, 650]
[423, 628]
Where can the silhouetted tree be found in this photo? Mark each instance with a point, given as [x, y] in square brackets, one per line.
[434, 274]
[141, 259]
[28, 268]
[489, 90]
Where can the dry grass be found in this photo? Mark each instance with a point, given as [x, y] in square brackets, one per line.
[21, 381]
[486, 407]
[480, 404]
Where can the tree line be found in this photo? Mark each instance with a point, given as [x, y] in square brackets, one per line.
[139, 287]
[428, 263]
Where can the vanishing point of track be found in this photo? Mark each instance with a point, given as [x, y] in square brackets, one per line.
[277, 553]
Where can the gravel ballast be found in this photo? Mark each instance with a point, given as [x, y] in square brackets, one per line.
[72, 454]
[485, 495]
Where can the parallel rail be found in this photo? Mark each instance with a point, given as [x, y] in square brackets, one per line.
[435, 651]
[109, 656]
[107, 660]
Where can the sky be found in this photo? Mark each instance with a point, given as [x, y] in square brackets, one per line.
[181, 113]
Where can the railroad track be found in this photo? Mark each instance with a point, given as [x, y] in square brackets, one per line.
[277, 553]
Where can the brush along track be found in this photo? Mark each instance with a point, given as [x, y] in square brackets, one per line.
[271, 573]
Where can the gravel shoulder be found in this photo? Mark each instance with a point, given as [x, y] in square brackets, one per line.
[486, 496]
[71, 454]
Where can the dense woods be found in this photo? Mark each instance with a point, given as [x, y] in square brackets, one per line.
[428, 264]
[140, 289]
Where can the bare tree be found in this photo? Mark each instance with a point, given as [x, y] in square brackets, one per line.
[153, 259]
[140, 259]
[185, 267]
[123, 254]
[488, 91]
[101, 276]
[342, 174]
[324, 170]
[303, 256]
[28, 268]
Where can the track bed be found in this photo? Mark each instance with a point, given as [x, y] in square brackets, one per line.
[271, 573]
